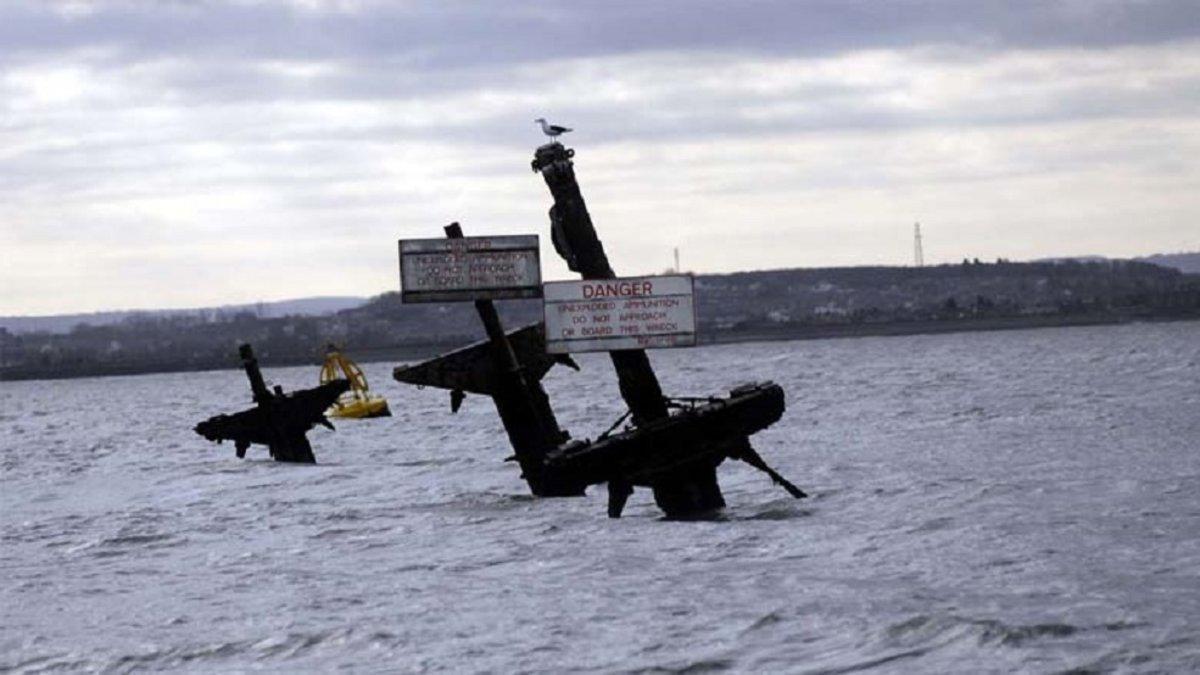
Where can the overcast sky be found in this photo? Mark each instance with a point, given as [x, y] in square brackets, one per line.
[179, 154]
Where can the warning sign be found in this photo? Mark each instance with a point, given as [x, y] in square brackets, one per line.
[470, 268]
[630, 313]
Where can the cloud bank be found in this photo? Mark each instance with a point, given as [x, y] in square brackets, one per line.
[181, 154]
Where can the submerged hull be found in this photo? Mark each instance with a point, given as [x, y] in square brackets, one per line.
[703, 434]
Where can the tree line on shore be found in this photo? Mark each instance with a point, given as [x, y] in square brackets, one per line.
[821, 301]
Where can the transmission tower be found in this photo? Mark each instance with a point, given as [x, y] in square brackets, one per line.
[918, 253]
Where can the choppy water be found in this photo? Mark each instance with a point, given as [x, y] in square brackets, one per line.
[994, 501]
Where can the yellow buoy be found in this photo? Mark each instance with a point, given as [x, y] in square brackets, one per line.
[358, 401]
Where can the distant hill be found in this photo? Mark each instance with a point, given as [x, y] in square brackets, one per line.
[767, 304]
[1188, 263]
[63, 323]
[319, 306]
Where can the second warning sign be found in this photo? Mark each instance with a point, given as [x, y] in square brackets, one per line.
[629, 313]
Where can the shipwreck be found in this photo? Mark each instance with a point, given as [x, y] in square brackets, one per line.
[279, 421]
[671, 445]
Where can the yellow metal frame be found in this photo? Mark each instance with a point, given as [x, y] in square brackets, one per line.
[358, 401]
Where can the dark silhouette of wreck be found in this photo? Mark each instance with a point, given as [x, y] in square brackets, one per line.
[673, 446]
[279, 421]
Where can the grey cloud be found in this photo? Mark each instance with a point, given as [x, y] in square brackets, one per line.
[292, 146]
[440, 35]
[209, 127]
[662, 97]
[210, 55]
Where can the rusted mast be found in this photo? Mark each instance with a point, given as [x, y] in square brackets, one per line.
[258, 385]
[522, 405]
[691, 490]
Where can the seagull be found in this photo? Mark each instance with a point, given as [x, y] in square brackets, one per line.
[551, 130]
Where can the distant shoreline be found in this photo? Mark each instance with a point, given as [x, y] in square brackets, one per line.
[769, 333]
[934, 326]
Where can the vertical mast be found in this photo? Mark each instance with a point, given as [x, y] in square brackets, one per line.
[692, 489]
[257, 385]
[522, 404]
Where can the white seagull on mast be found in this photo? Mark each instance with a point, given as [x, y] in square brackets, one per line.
[551, 130]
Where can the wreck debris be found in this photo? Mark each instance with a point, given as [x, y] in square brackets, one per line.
[508, 367]
[675, 455]
[279, 421]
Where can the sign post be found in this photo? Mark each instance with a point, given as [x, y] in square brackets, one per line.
[626, 313]
[483, 269]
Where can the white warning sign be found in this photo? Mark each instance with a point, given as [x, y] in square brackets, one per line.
[631, 313]
[469, 268]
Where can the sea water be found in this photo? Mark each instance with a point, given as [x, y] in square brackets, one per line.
[1021, 500]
